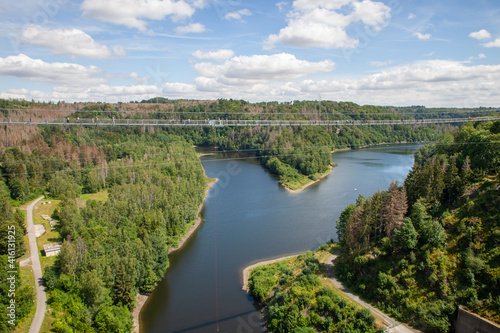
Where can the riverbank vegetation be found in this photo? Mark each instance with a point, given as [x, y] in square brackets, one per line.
[420, 250]
[296, 297]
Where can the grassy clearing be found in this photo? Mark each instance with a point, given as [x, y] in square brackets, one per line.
[47, 321]
[27, 278]
[99, 196]
[298, 182]
[51, 235]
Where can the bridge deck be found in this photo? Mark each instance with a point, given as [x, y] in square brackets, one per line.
[233, 123]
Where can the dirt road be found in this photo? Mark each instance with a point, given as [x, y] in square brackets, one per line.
[390, 323]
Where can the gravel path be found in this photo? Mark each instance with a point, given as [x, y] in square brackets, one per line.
[390, 323]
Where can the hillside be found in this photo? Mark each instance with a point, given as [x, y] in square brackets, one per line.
[420, 250]
[116, 246]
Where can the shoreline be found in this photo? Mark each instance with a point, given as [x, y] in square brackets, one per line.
[197, 222]
[379, 144]
[141, 299]
[312, 182]
[246, 270]
[204, 154]
[333, 166]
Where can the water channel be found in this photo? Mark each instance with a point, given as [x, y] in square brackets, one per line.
[249, 217]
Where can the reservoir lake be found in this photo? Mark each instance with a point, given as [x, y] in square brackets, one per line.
[248, 218]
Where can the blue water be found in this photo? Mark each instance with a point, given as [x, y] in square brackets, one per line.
[249, 217]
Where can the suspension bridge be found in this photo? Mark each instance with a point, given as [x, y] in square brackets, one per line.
[107, 122]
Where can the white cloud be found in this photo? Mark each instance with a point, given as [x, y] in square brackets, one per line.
[327, 4]
[137, 77]
[219, 55]
[422, 36]
[411, 16]
[95, 93]
[279, 77]
[429, 71]
[23, 67]
[178, 88]
[237, 15]
[380, 63]
[495, 43]
[323, 23]
[134, 13]
[24, 94]
[191, 28]
[249, 70]
[281, 5]
[480, 35]
[119, 51]
[371, 13]
[479, 56]
[431, 82]
[67, 41]
[303, 33]
[198, 3]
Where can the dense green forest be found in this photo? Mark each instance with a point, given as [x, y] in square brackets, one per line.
[111, 249]
[297, 299]
[419, 250]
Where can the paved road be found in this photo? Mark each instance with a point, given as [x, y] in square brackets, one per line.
[41, 295]
[391, 323]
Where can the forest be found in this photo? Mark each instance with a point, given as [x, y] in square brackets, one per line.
[153, 184]
[420, 249]
[112, 249]
[297, 299]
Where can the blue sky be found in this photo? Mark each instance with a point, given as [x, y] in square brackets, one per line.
[382, 52]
